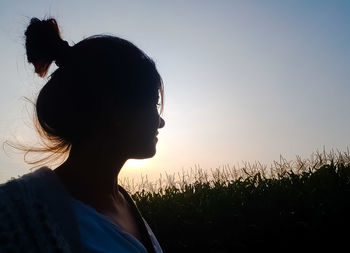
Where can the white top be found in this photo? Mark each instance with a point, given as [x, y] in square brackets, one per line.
[100, 235]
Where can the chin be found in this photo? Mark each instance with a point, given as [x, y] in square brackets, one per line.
[145, 155]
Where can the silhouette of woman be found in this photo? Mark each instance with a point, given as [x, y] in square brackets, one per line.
[101, 107]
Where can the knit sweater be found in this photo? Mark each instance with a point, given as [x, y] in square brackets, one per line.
[36, 215]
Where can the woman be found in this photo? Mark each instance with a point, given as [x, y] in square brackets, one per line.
[100, 108]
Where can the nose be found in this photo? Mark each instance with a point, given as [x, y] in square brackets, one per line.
[161, 122]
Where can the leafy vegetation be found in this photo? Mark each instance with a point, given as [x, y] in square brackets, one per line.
[298, 205]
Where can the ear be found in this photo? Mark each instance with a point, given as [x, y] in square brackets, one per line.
[116, 120]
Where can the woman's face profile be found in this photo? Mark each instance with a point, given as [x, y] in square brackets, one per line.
[136, 132]
[144, 132]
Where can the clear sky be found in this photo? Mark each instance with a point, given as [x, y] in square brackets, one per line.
[244, 80]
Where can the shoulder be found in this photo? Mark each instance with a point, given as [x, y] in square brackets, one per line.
[20, 197]
[17, 218]
[38, 202]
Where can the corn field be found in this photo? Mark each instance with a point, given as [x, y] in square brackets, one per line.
[299, 205]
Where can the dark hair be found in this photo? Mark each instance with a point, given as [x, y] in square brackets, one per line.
[94, 77]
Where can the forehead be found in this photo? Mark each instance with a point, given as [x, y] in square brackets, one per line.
[146, 96]
[153, 96]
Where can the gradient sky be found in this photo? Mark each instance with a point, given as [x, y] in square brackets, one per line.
[244, 80]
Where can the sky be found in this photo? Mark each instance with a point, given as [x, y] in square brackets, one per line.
[245, 81]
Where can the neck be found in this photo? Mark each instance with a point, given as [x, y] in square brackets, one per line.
[90, 174]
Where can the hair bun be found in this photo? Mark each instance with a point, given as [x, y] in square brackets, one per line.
[43, 44]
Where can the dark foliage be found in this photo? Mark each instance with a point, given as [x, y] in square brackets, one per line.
[305, 211]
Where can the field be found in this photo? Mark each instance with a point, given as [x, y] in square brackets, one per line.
[300, 205]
